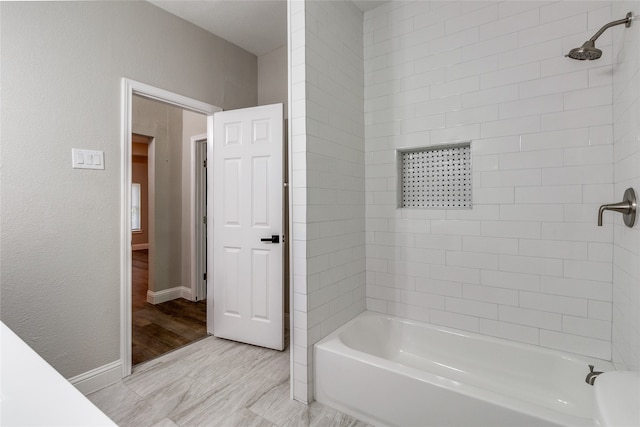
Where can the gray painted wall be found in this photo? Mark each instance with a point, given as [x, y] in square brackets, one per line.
[61, 70]
[272, 78]
[163, 122]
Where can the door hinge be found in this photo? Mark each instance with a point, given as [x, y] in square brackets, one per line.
[204, 219]
[204, 276]
[204, 163]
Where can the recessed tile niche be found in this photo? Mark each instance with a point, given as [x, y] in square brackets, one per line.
[435, 177]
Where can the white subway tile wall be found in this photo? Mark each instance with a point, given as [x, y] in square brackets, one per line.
[626, 249]
[328, 183]
[300, 234]
[528, 262]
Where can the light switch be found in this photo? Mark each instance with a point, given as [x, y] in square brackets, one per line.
[78, 157]
[87, 159]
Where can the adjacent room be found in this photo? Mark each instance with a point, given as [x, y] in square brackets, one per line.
[168, 229]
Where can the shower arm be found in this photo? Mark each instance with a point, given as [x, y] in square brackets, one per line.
[626, 21]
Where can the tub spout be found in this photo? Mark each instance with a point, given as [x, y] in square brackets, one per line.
[591, 376]
[627, 207]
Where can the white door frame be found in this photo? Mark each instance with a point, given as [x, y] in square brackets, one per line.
[151, 206]
[196, 222]
[151, 212]
[130, 88]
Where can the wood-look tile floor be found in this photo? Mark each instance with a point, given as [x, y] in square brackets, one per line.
[160, 328]
[214, 382]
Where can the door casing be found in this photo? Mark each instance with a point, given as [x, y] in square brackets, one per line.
[128, 89]
[151, 197]
[198, 226]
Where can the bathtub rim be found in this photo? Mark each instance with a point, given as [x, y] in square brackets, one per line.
[600, 364]
[333, 343]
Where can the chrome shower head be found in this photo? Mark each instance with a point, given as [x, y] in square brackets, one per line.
[588, 50]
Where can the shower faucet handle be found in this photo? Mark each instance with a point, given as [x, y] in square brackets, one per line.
[627, 207]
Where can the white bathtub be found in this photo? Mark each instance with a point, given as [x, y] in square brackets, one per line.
[393, 372]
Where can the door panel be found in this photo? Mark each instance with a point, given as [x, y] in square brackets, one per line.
[231, 190]
[231, 284]
[260, 192]
[247, 264]
[260, 281]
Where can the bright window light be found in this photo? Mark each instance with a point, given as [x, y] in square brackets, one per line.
[135, 207]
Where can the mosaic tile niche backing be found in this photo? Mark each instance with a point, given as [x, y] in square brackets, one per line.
[436, 177]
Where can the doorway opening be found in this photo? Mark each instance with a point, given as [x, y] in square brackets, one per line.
[165, 317]
[165, 223]
[247, 184]
[168, 239]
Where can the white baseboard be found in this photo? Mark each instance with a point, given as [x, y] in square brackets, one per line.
[168, 294]
[140, 247]
[185, 293]
[98, 378]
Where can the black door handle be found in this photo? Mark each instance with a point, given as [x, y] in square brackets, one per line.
[275, 238]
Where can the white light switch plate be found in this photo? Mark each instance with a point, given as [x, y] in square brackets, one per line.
[87, 159]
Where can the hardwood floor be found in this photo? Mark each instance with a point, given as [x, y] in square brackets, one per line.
[161, 328]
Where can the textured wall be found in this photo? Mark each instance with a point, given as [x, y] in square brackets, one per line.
[62, 65]
[528, 262]
[626, 131]
[328, 175]
[272, 78]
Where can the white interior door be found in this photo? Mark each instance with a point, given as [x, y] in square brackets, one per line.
[247, 226]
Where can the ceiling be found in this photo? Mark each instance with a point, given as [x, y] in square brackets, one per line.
[259, 26]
